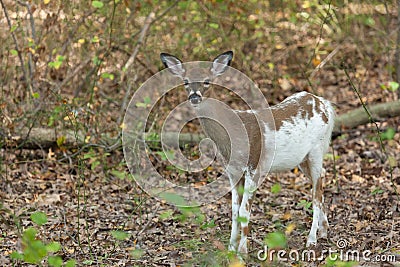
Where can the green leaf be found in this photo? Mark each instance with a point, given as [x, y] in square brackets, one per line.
[141, 105]
[70, 263]
[392, 161]
[305, 204]
[147, 100]
[14, 52]
[53, 247]
[39, 218]
[94, 164]
[106, 75]
[137, 253]
[97, 4]
[388, 134]
[118, 174]
[55, 261]
[35, 251]
[183, 4]
[275, 240]
[276, 188]
[167, 214]
[213, 25]
[393, 86]
[120, 235]
[13, 28]
[16, 255]
[369, 21]
[36, 95]
[173, 198]
[60, 140]
[242, 219]
[29, 234]
[377, 191]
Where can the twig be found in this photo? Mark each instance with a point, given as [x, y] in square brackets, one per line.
[31, 65]
[378, 131]
[150, 19]
[397, 53]
[323, 62]
[73, 74]
[131, 60]
[21, 60]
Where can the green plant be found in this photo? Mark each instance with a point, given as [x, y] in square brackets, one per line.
[334, 261]
[275, 240]
[305, 204]
[276, 188]
[377, 191]
[391, 86]
[388, 134]
[35, 250]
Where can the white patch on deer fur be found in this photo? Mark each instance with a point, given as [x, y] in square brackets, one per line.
[293, 140]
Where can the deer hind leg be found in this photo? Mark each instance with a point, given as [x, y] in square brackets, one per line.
[245, 210]
[312, 167]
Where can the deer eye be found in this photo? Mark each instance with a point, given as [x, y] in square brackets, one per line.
[206, 82]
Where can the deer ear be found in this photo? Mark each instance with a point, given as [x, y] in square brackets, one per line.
[221, 63]
[173, 64]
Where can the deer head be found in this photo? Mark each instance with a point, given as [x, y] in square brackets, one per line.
[196, 87]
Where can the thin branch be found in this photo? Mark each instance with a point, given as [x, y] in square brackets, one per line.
[31, 65]
[21, 60]
[323, 62]
[397, 53]
[378, 131]
[32, 22]
[131, 60]
[150, 19]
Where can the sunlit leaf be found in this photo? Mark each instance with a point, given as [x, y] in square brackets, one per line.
[276, 188]
[97, 4]
[275, 240]
[39, 218]
[213, 25]
[53, 247]
[120, 235]
[55, 261]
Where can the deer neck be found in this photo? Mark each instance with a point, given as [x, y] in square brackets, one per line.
[211, 118]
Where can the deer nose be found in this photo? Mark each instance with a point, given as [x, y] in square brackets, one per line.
[195, 98]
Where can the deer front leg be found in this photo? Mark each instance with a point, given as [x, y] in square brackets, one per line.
[245, 211]
[235, 214]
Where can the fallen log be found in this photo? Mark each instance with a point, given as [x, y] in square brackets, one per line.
[46, 137]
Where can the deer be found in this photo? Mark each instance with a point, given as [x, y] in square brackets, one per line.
[301, 126]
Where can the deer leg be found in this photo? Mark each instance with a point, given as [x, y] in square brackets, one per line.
[245, 210]
[235, 213]
[323, 224]
[312, 167]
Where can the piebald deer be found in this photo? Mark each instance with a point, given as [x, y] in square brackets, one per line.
[301, 127]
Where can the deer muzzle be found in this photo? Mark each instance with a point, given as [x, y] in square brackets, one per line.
[195, 98]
